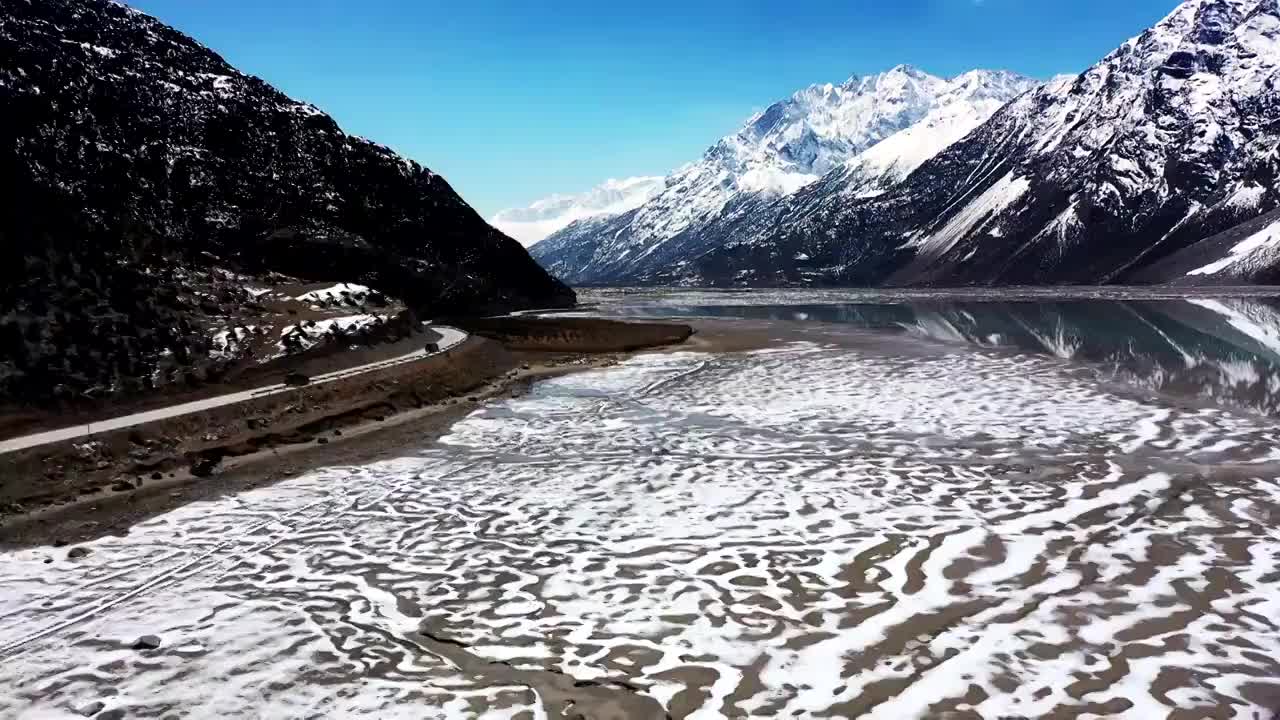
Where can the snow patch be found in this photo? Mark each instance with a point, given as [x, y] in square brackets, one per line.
[1241, 253]
[349, 294]
[1006, 191]
[1060, 227]
[1247, 197]
[308, 334]
[230, 343]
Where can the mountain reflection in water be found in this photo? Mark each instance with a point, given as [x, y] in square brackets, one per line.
[1226, 351]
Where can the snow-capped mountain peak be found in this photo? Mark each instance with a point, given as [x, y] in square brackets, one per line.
[790, 145]
[1159, 159]
[1117, 174]
[815, 132]
[797, 140]
[989, 85]
[539, 219]
[960, 105]
[1161, 137]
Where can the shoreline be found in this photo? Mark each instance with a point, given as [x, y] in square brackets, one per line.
[948, 514]
[113, 512]
[382, 418]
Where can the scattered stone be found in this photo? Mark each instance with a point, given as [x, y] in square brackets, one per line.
[322, 440]
[112, 714]
[78, 552]
[48, 561]
[159, 476]
[337, 433]
[147, 642]
[204, 467]
[91, 709]
[122, 486]
[59, 542]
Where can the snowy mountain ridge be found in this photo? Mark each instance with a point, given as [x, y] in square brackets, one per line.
[1168, 139]
[612, 197]
[966, 102]
[790, 145]
[794, 142]
[1148, 163]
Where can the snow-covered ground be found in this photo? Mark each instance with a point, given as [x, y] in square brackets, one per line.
[893, 529]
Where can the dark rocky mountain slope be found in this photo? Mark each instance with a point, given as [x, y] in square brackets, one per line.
[1248, 253]
[146, 180]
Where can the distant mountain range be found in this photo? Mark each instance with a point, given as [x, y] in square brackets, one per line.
[145, 179]
[544, 217]
[1140, 169]
[820, 131]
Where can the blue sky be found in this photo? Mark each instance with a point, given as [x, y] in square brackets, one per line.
[512, 100]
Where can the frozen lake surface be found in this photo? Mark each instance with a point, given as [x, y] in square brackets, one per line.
[895, 519]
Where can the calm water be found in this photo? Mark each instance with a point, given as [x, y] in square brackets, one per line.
[930, 509]
[1220, 350]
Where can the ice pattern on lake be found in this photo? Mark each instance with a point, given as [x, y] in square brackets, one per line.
[889, 530]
